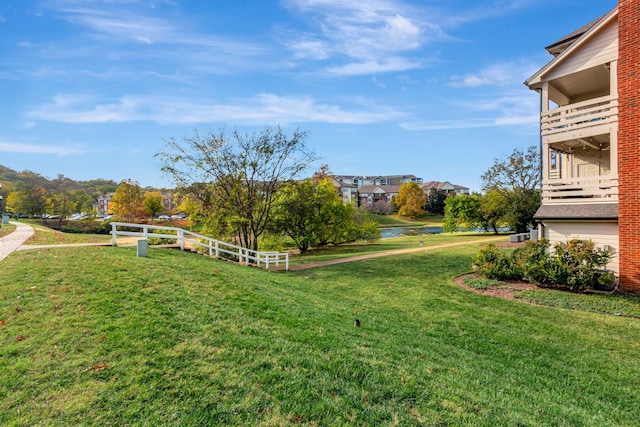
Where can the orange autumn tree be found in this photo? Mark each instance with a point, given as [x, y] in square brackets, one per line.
[127, 201]
[410, 200]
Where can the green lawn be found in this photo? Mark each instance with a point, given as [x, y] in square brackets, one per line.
[6, 229]
[395, 220]
[97, 336]
[43, 235]
[391, 244]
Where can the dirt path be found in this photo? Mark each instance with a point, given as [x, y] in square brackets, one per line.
[389, 253]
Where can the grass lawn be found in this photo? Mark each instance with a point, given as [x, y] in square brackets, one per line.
[395, 220]
[6, 229]
[46, 236]
[95, 335]
[391, 244]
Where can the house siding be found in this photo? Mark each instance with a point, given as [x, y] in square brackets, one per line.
[629, 143]
[603, 233]
[603, 48]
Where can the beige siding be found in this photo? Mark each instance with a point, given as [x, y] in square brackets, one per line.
[601, 232]
[601, 49]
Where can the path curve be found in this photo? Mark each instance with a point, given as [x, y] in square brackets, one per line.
[388, 253]
[14, 240]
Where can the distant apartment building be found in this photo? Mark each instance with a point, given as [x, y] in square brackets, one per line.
[367, 190]
[446, 187]
[101, 206]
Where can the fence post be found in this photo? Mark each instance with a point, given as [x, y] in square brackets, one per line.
[145, 231]
[286, 260]
[113, 235]
[210, 248]
[217, 250]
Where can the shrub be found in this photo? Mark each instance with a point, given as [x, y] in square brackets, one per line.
[578, 264]
[380, 208]
[271, 242]
[494, 263]
[575, 265]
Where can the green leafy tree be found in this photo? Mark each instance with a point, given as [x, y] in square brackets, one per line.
[82, 201]
[312, 214]
[517, 178]
[462, 211]
[127, 201]
[29, 199]
[435, 201]
[153, 203]
[493, 209]
[244, 171]
[60, 204]
[410, 200]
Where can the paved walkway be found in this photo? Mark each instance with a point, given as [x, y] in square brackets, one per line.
[13, 241]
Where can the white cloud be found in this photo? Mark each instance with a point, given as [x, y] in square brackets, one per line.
[502, 110]
[370, 37]
[9, 147]
[263, 108]
[499, 74]
[373, 67]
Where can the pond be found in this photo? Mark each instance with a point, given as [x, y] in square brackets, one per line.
[409, 231]
[418, 231]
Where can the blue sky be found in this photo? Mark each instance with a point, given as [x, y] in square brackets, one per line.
[92, 88]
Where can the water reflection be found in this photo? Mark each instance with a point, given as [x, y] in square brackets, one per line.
[418, 231]
[409, 231]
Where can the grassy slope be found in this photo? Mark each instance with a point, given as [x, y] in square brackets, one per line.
[177, 339]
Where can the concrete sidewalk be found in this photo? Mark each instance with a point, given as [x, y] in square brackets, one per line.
[13, 241]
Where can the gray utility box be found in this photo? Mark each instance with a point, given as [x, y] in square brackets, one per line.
[143, 248]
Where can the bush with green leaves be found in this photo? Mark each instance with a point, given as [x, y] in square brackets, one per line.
[575, 265]
[495, 263]
[578, 264]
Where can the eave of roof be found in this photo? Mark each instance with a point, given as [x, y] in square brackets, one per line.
[534, 81]
[593, 211]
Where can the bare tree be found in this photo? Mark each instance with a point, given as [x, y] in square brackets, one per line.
[245, 172]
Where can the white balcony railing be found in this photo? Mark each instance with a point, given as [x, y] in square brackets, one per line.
[591, 189]
[581, 115]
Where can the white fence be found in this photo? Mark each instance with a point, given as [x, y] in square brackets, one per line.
[215, 247]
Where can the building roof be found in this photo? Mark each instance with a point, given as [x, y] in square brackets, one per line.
[578, 211]
[438, 185]
[557, 47]
[571, 42]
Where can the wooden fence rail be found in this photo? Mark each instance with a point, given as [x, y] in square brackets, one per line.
[215, 247]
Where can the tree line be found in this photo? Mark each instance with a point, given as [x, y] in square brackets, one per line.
[32, 194]
[246, 188]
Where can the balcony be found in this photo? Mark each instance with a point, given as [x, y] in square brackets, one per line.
[590, 189]
[581, 119]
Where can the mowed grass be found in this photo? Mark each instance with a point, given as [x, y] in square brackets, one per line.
[390, 244]
[43, 235]
[97, 336]
[6, 229]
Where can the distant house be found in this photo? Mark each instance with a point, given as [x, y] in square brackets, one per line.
[348, 186]
[370, 194]
[445, 186]
[101, 206]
